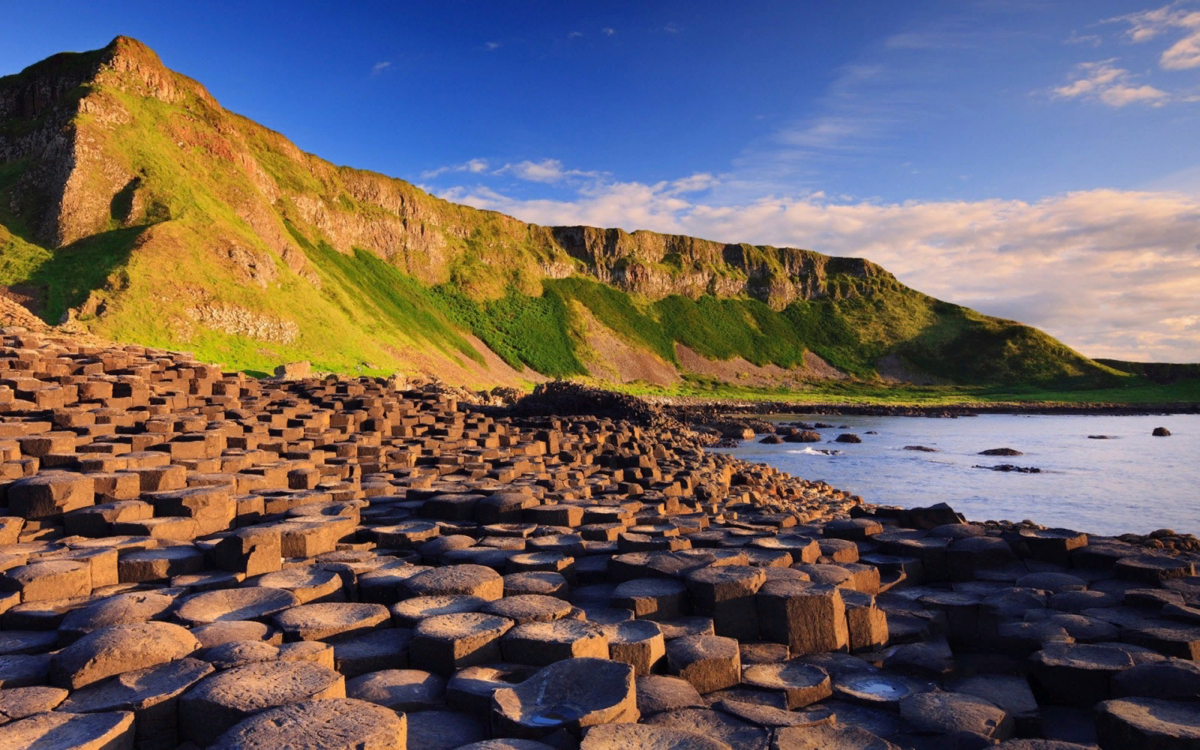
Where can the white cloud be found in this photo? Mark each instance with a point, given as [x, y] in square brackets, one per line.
[671, 28]
[1120, 95]
[1184, 54]
[380, 66]
[1147, 25]
[608, 31]
[491, 46]
[548, 171]
[1112, 273]
[1104, 82]
[474, 166]
[574, 35]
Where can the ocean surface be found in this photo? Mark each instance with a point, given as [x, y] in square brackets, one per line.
[1132, 483]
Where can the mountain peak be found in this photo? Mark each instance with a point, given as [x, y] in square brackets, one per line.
[139, 68]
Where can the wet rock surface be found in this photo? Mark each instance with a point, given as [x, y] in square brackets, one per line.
[194, 558]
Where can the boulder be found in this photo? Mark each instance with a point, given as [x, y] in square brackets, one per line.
[293, 371]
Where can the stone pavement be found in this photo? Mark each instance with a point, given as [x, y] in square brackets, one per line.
[192, 558]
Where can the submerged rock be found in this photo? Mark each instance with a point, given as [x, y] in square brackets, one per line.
[1011, 468]
[1001, 452]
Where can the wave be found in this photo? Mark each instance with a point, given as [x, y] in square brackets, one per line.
[816, 452]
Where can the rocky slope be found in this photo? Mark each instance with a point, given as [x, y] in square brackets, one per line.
[126, 187]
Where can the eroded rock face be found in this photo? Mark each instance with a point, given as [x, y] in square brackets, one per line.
[241, 562]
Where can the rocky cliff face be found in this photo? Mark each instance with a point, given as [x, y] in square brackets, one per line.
[61, 116]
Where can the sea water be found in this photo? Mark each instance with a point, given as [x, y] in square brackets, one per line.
[1130, 483]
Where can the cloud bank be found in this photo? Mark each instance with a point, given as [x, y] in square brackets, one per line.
[1111, 273]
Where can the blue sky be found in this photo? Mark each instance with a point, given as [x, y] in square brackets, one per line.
[988, 151]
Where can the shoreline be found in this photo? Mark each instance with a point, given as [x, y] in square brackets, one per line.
[694, 411]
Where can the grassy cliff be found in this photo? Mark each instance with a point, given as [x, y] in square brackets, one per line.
[132, 201]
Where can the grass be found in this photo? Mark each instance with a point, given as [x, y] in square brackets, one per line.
[396, 299]
[1137, 393]
[522, 330]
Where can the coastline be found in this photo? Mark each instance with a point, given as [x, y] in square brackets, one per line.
[697, 410]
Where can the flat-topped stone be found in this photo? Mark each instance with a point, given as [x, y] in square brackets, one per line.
[308, 584]
[120, 648]
[336, 724]
[659, 693]
[644, 737]
[221, 700]
[17, 703]
[950, 713]
[639, 643]
[800, 684]
[570, 695]
[542, 643]
[410, 612]
[1172, 679]
[238, 653]
[149, 693]
[378, 649]
[399, 689]
[1153, 569]
[1080, 674]
[876, 689]
[446, 643]
[709, 662]
[829, 737]
[119, 609]
[544, 582]
[58, 729]
[250, 603]
[225, 631]
[1147, 724]
[716, 725]
[525, 608]
[464, 580]
[652, 598]
[329, 620]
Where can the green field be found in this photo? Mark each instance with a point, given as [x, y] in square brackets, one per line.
[1137, 391]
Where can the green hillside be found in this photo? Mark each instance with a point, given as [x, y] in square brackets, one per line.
[131, 201]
